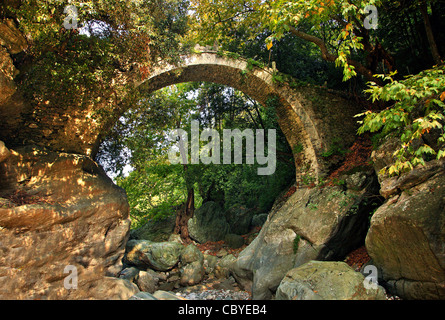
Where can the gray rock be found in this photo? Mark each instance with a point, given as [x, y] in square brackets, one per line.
[356, 181]
[406, 240]
[234, 241]
[326, 280]
[175, 238]
[155, 230]
[147, 281]
[223, 267]
[394, 185]
[259, 219]
[239, 219]
[208, 223]
[161, 256]
[129, 274]
[210, 263]
[142, 296]
[192, 273]
[191, 254]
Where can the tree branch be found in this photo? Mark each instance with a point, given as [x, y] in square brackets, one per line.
[326, 55]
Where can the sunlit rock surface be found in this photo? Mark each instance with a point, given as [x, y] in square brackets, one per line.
[58, 210]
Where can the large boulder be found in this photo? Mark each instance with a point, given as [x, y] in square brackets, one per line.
[208, 223]
[239, 219]
[210, 263]
[193, 269]
[234, 241]
[160, 256]
[407, 235]
[224, 265]
[312, 224]
[258, 220]
[158, 230]
[62, 219]
[323, 280]
[406, 240]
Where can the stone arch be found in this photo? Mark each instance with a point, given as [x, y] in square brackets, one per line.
[310, 117]
[257, 83]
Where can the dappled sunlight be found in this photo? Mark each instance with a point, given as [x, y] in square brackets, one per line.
[81, 182]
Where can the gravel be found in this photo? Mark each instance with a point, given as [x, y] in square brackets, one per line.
[214, 289]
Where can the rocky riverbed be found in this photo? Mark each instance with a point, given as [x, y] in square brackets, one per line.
[216, 283]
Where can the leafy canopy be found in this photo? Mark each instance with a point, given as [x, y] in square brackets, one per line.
[91, 64]
[334, 26]
[417, 117]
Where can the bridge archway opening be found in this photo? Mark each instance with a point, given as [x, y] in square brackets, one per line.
[257, 83]
[244, 173]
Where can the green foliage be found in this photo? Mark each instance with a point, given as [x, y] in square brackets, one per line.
[416, 117]
[153, 192]
[61, 78]
[285, 15]
[251, 63]
[400, 31]
[312, 206]
[333, 27]
[335, 149]
[155, 187]
[85, 66]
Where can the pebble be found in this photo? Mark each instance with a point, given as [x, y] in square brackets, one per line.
[206, 292]
[215, 295]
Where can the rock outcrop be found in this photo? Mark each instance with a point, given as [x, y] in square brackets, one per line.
[11, 42]
[407, 234]
[63, 226]
[312, 224]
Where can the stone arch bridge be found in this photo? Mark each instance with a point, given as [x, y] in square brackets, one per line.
[311, 118]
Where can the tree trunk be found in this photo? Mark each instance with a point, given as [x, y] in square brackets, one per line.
[183, 215]
[429, 33]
